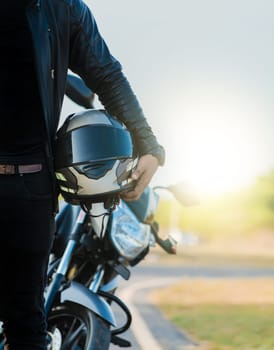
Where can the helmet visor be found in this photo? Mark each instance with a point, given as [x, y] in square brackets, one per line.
[92, 144]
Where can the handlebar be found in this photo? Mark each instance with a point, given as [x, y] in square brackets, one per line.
[169, 244]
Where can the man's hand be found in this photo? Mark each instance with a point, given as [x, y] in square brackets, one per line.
[146, 168]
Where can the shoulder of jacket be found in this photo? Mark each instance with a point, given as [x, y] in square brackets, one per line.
[74, 3]
[77, 8]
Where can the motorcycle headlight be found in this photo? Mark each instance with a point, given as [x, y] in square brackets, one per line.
[128, 235]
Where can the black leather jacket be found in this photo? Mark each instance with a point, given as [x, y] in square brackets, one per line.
[65, 36]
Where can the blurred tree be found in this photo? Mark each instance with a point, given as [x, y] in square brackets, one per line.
[244, 212]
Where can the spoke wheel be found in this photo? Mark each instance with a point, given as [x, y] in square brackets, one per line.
[79, 327]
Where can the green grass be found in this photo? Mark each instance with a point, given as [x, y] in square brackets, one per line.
[226, 327]
[222, 314]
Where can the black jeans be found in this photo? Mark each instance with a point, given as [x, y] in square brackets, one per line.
[26, 234]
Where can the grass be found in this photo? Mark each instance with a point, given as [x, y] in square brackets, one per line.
[226, 314]
[194, 257]
[255, 251]
[223, 327]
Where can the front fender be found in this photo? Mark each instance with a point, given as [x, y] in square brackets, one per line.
[79, 294]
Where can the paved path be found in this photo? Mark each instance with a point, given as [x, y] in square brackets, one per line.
[150, 330]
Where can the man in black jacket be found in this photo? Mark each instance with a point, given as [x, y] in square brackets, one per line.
[40, 41]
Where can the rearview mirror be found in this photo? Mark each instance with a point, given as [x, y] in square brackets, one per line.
[185, 193]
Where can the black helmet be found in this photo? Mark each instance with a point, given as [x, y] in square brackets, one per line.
[93, 157]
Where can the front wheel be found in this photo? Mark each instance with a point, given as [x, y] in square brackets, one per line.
[77, 328]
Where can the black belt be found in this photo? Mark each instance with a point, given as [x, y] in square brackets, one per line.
[10, 169]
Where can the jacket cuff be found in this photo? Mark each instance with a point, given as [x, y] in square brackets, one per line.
[160, 155]
[158, 152]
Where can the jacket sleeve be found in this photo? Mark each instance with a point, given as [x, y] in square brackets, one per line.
[91, 59]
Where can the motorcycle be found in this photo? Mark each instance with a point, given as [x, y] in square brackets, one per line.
[95, 245]
[93, 248]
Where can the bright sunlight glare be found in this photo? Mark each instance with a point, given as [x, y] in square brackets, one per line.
[214, 144]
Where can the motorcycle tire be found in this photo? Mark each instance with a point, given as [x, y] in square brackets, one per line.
[79, 328]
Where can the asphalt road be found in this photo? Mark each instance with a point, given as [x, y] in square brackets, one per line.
[150, 330]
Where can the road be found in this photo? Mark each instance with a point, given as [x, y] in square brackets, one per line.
[150, 330]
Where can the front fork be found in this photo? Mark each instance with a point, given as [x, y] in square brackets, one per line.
[64, 263]
[96, 282]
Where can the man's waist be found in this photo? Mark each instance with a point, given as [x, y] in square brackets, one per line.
[11, 169]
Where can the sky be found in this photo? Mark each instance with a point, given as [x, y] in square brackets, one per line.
[203, 71]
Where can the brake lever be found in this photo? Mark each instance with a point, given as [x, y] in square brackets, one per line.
[169, 244]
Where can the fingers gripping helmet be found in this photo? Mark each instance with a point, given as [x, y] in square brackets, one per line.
[93, 157]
